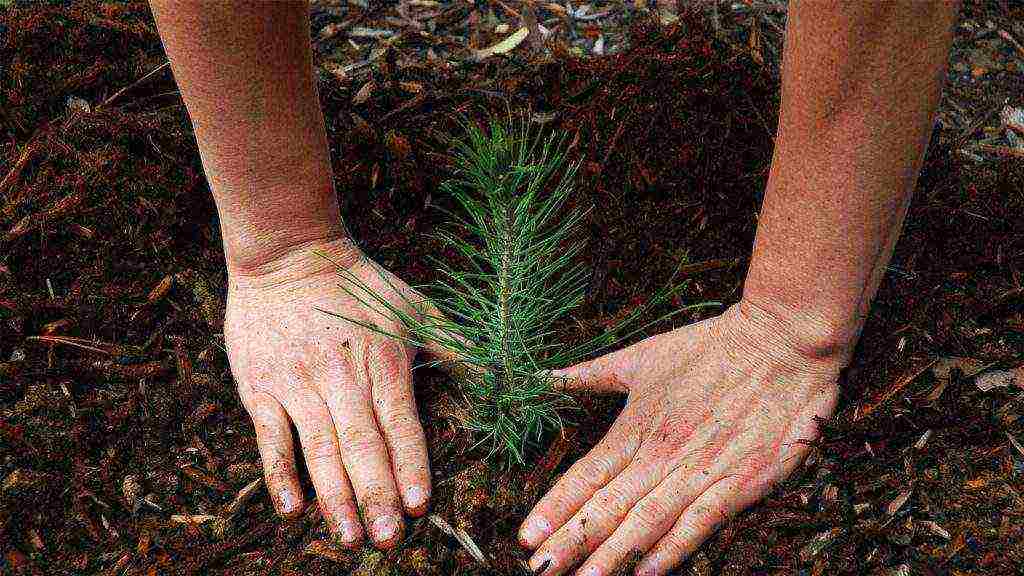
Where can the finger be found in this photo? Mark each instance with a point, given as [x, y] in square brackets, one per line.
[595, 520]
[654, 514]
[602, 374]
[719, 500]
[324, 463]
[578, 484]
[362, 447]
[277, 452]
[441, 351]
[700, 459]
[699, 521]
[613, 372]
[391, 388]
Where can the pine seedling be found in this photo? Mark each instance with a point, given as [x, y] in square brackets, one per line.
[517, 238]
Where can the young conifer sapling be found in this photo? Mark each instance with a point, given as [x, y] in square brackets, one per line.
[517, 276]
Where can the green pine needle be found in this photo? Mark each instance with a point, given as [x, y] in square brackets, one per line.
[517, 279]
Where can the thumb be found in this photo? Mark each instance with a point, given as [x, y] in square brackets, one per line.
[448, 360]
[607, 374]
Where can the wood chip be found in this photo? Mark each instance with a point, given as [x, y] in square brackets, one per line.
[1000, 379]
[225, 520]
[817, 544]
[898, 502]
[364, 93]
[161, 289]
[505, 46]
[935, 529]
[325, 550]
[360, 32]
[923, 439]
[132, 490]
[192, 518]
[908, 376]
[336, 69]
[1016, 445]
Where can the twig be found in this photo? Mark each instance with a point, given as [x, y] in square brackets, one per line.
[1001, 150]
[222, 525]
[20, 163]
[69, 341]
[462, 537]
[117, 94]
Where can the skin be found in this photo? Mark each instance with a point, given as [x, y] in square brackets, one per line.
[245, 74]
[720, 411]
[717, 412]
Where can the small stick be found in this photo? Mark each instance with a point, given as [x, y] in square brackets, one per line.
[222, 525]
[117, 94]
[68, 341]
[20, 163]
[1001, 150]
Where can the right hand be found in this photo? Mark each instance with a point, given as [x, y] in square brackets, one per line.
[347, 390]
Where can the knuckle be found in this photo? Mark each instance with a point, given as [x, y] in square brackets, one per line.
[336, 497]
[673, 542]
[610, 497]
[400, 425]
[320, 446]
[388, 375]
[590, 469]
[277, 481]
[392, 351]
[269, 434]
[279, 470]
[377, 499]
[358, 441]
[651, 512]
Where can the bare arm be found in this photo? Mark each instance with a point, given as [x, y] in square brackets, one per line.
[719, 411]
[245, 73]
[860, 86]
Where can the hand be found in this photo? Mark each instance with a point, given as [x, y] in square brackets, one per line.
[717, 412]
[347, 389]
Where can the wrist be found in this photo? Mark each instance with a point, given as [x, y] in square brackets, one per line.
[293, 259]
[803, 335]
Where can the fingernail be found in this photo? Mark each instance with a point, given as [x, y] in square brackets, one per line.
[540, 563]
[648, 567]
[348, 532]
[287, 501]
[415, 497]
[384, 528]
[591, 571]
[535, 530]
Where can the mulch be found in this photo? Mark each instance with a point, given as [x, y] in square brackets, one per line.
[124, 448]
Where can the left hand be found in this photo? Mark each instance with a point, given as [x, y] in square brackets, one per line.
[717, 412]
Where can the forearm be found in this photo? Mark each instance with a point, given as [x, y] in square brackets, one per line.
[861, 82]
[245, 74]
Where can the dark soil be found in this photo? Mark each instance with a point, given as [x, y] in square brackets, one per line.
[120, 430]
